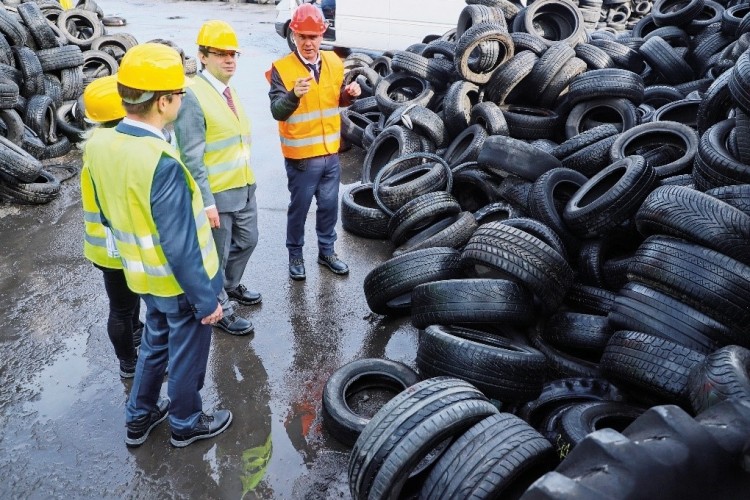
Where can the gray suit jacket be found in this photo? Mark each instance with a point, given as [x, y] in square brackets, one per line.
[190, 130]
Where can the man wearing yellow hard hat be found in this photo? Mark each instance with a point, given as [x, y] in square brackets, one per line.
[150, 201]
[103, 105]
[213, 136]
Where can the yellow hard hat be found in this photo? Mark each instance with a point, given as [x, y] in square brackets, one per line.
[67, 4]
[101, 102]
[152, 67]
[219, 35]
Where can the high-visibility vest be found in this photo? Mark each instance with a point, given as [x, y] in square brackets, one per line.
[314, 129]
[122, 170]
[94, 232]
[227, 152]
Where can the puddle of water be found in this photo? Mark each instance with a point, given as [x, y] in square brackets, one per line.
[210, 458]
[59, 382]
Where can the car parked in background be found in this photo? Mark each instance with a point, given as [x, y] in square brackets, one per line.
[378, 26]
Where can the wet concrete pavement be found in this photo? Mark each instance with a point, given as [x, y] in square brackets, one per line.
[61, 397]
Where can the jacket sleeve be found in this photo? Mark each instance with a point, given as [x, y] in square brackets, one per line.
[173, 214]
[190, 131]
[283, 101]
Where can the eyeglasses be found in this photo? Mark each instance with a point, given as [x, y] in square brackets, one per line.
[229, 53]
[180, 93]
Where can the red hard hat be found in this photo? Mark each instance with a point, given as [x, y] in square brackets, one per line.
[308, 20]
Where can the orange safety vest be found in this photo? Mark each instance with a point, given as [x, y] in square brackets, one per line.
[314, 129]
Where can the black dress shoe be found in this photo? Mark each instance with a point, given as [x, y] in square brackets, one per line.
[208, 426]
[235, 325]
[139, 429]
[333, 263]
[297, 269]
[245, 296]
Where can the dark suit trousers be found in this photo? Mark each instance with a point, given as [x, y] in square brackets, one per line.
[319, 177]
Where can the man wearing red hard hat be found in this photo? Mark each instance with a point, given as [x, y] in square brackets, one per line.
[306, 93]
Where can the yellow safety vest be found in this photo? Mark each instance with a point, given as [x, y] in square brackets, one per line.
[94, 232]
[314, 129]
[122, 170]
[227, 153]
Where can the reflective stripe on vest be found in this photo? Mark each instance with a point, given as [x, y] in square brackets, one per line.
[94, 233]
[314, 129]
[226, 156]
[122, 169]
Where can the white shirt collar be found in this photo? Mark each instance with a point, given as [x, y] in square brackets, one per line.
[316, 62]
[144, 126]
[215, 83]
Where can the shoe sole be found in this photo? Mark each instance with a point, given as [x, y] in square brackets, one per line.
[182, 444]
[248, 302]
[132, 443]
[325, 264]
[126, 374]
[236, 334]
[298, 277]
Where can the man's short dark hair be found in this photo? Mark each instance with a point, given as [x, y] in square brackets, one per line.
[141, 108]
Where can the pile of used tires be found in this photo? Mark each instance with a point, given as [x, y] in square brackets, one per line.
[570, 215]
[47, 56]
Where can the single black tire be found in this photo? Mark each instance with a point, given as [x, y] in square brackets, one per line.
[31, 70]
[17, 163]
[648, 136]
[549, 194]
[470, 301]
[361, 215]
[451, 232]
[610, 197]
[80, 27]
[640, 308]
[457, 104]
[42, 190]
[392, 143]
[582, 419]
[419, 213]
[360, 375]
[593, 113]
[607, 83]
[37, 25]
[501, 368]
[643, 362]
[555, 21]
[389, 286]
[397, 182]
[397, 89]
[505, 156]
[500, 455]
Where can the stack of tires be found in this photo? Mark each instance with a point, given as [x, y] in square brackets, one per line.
[570, 215]
[47, 56]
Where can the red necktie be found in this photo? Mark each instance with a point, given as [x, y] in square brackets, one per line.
[228, 95]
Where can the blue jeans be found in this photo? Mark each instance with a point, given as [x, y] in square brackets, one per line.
[173, 334]
[320, 177]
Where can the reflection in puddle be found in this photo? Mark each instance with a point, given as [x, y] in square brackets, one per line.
[59, 383]
[254, 465]
[210, 458]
